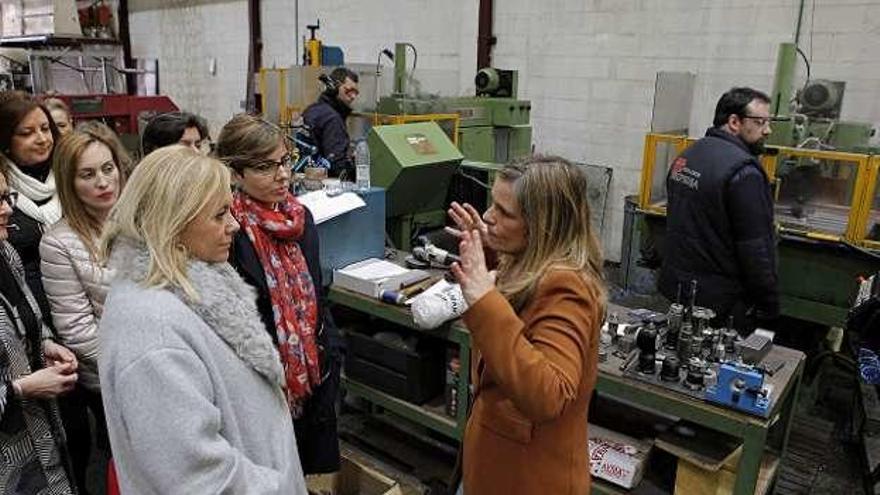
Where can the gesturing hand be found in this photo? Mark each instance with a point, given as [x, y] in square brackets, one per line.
[471, 272]
[466, 218]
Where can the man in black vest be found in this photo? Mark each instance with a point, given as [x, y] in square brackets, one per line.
[326, 121]
[719, 228]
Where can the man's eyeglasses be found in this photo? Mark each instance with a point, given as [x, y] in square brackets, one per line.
[761, 121]
[10, 198]
[269, 168]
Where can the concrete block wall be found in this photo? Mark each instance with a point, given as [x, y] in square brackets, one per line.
[589, 67]
[189, 38]
[444, 33]
[186, 35]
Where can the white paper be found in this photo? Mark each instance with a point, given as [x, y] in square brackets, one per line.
[374, 269]
[325, 207]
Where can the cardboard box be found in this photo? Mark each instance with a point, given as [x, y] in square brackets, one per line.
[353, 479]
[372, 276]
[691, 479]
[616, 457]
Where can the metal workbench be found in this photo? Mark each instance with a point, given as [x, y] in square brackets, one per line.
[757, 434]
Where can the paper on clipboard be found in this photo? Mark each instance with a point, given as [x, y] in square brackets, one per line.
[325, 207]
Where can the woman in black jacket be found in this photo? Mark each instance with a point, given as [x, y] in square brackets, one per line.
[28, 137]
[27, 141]
[276, 251]
[35, 371]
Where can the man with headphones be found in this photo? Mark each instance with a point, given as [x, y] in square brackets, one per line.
[326, 121]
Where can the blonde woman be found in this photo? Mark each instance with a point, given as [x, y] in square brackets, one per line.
[191, 381]
[60, 113]
[534, 325]
[103, 132]
[89, 182]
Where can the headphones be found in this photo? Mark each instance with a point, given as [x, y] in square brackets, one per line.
[331, 85]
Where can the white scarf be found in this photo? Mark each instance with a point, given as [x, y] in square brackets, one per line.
[31, 190]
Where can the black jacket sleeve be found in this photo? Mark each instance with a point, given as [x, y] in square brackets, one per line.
[750, 209]
[331, 137]
[334, 142]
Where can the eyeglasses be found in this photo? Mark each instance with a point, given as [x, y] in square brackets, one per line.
[269, 168]
[762, 121]
[10, 198]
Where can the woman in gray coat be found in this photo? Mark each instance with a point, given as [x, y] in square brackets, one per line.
[191, 381]
[33, 371]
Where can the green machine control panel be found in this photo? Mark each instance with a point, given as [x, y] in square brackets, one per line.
[414, 163]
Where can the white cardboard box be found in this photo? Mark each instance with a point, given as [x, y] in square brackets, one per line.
[372, 276]
[616, 457]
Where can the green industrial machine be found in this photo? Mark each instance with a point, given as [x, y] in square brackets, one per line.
[415, 163]
[827, 200]
[810, 117]
[494, 125]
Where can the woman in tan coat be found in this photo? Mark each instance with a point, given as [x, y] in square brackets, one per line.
[534, 326]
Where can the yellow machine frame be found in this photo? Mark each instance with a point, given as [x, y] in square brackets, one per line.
[388, 119]
[286, 111]
[867, 175]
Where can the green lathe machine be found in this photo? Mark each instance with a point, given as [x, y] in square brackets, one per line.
[494, 125]
[479, 134]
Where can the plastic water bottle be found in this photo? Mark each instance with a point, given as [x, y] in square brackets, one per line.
[362, 165]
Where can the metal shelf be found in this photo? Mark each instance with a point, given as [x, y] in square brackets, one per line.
[418, 414]
[46, 40]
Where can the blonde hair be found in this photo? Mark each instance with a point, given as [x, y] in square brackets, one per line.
[108, 136]
[167, 191]
[64, 166]
[552, 196]
[57, 104]
[247, 139]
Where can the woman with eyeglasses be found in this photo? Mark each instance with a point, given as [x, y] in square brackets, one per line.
[35, 371]
[89, 183]
[276, 252]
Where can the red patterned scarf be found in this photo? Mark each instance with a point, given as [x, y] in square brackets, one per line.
[274, 233]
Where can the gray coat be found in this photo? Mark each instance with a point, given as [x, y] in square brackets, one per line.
[192, 390]
[76, 287]
[31, 436]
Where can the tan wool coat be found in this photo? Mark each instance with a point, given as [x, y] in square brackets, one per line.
[534, 373]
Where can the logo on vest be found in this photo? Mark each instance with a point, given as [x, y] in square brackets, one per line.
[679, 172]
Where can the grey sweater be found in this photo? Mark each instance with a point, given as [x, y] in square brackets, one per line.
[192, 390]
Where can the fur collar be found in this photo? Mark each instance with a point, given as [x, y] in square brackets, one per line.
[226, 304]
